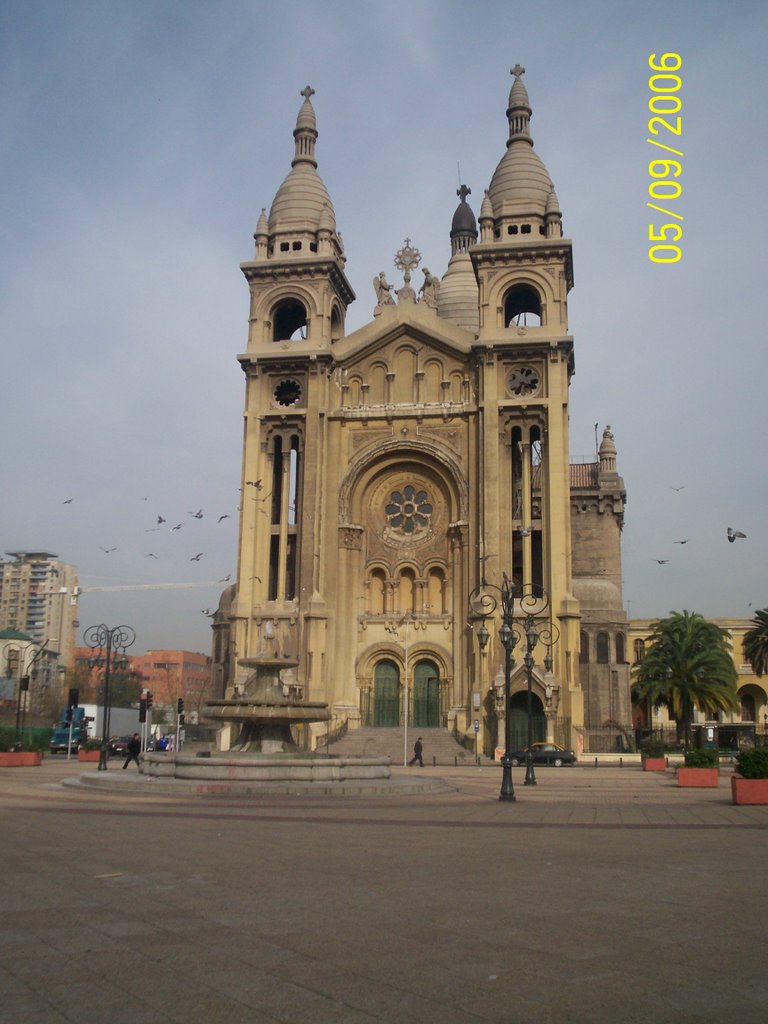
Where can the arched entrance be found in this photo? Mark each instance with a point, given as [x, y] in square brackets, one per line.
[518, 713]
[426, 695]
[386, 695]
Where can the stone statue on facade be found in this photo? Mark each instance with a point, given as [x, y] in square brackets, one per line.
[382, 289]
[430, 290]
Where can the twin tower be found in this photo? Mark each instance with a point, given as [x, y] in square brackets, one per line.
[390, 473]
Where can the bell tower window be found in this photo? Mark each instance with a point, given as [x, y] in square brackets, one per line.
[290, 321]
[522, 307]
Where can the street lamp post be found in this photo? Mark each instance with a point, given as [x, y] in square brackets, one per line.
[483, 603]
[534, 625]
[22, 695]
[112, 641]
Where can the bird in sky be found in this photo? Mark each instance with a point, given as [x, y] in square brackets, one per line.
[225, 516]
[226, 579]
[681, 541]
[256, 578]
[682, 488]
[254, 483]
[67, 501]
[207, 611]
[197, 557]
[733, 534]
[108, 550]
[198, 514]
[160, 520]
[661, 561]
[151, 555]
[178, 526]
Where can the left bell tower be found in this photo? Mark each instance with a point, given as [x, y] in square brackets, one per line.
[299, 294]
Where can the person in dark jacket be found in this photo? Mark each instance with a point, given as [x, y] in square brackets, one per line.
[417, 751]
[134, 749]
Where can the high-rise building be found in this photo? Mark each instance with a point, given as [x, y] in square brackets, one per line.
[38, 596]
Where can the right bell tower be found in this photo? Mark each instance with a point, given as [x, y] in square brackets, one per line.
[524, 365]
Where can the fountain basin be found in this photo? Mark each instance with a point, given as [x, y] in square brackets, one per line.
[266, 768]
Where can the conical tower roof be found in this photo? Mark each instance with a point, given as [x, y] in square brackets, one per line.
[300, 201]
[521, 183]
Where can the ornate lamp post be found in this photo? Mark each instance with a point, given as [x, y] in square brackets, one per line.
[22, 693]
[483, 603]
[112, 642]
[534, 625]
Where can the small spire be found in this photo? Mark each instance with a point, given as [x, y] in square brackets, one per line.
[463, 225]
[305, 132]
[519, 109]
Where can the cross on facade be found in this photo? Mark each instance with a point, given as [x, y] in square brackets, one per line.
[517, 71]
[307, 91]
[463, 192]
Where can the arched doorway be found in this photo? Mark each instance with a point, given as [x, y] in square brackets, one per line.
[518, 713]
[386, 695]
[426, 695]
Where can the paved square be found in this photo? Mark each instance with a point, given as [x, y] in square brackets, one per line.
[600, 895]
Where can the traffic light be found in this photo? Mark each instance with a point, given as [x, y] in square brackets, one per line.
[24, 685]
[181, 719]
[142, 710]
[149, 699]
[74, 697]
[180, 706]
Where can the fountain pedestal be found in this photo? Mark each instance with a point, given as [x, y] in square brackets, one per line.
[261, 714]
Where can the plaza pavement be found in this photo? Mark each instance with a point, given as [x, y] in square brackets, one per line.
[599, 895]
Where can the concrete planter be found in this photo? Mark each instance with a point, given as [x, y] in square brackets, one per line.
[88, 755]
[702, 777]
[654, 764]
[21, 759]
[749, 791]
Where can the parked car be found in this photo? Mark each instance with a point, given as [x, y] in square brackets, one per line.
[118, 745]
[545, 753]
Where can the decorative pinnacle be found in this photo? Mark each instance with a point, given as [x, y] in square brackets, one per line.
[307, 91]
[517, 70]
[407, 258]
[463, 192]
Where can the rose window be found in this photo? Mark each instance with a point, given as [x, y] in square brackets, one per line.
[408, 510]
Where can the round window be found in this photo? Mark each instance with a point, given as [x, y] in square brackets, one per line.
[288, 392]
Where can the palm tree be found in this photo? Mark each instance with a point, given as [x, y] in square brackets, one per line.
[688, 662]
[756, 643]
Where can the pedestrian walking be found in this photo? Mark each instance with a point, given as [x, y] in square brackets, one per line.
[417, 752]
[134, 749]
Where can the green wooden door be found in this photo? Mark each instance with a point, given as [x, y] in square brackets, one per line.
[386, 695]
[426, 695]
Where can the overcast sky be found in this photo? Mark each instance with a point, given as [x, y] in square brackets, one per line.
[140, 140]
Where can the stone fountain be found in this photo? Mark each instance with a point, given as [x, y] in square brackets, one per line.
[259, 714]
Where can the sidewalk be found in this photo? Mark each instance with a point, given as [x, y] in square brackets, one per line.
[599, 895]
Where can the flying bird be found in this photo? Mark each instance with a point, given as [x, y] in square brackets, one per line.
[160, 520]
[226, 579]
[150, 555]
[197, 515]
[678, 488]
[207, 611]
[67, 501]
[108, 550]
[733, 534]
[197, 557]
[178, 526]
[681, 541]
[661, 561]
[225, 516]
[254, 483]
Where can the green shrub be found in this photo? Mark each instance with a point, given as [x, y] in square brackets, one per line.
[92, 745]
[752, 763]
[702, 759]
[653, 748]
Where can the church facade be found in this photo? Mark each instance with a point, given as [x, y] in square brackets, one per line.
[395, 476]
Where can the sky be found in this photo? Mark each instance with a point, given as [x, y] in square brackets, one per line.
[139, 142]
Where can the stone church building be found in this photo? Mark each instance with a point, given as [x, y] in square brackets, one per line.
[392, 472]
